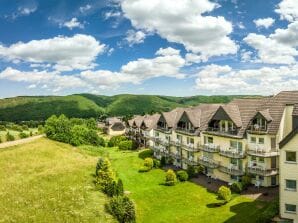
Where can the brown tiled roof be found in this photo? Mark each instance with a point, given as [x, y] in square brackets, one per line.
[173, 116]
[150, 121]
[266, 114]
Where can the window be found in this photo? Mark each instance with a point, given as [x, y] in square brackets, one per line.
[253, 139]
[156, 134]
[261, 178]
[261, 159]
[190, 140]
[290, 208]
[290, 156]
[261, 140]
[208, 139]
[234, 177]
[291, 185]
[253, 158]
[236, 145]
[234, 161]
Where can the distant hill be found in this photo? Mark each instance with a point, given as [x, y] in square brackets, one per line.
[88, 105]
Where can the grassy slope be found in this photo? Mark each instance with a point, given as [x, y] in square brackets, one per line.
[47, 181]
[16, 133]
[185, 202]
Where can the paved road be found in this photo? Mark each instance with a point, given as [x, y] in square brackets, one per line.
[19, 141]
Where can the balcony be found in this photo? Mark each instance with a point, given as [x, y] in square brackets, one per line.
[232, 153]
[163, 142]
[231, 170]
[210, 148]
[255, 150]
[175, 155]
[185, 131]
[262, 171]
[176, 142]
[218, 131]
[190, 161]
[256, 129]
[191, 147]
[163, 129]
[207, 162]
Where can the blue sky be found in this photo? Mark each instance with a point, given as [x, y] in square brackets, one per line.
[112, 47]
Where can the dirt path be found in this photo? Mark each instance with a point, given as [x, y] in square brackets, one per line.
[19, 141]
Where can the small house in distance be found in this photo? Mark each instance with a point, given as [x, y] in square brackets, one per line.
[114, 126]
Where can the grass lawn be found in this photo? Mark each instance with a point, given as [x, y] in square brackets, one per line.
[16, 133]
[47, 181]
[184, 202]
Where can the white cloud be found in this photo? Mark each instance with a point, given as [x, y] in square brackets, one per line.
[134, 37]
[265, 80]
[270, 50]
[288, 10]
[287, 36]
[246, 56]
[85, 8]
[73, 23]
[65, 53]
[266, 22]
[27, 10]
[183, 23]
[112, 14]
[167, 62]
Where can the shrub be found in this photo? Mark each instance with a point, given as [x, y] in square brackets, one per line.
[156, 163]
[111, 188]
[94, 139]
[122, 208]
[148, 162]
[40, 129]
[58, 128]
[182, 175]
[78, 135]
[23, 135]
[9, 137]
[120, 189]
[224, 193]
[2, 128]
[125, 145]
[191, 171]
[115, 140]
[25, 127]
[237, 187]
[16, 127]
[146, 153]
[105, 175]
[246, 181]
[163, 161]
[171, 178]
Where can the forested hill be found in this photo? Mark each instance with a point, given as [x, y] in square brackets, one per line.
[25, 108]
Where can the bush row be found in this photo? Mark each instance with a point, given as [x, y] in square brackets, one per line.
[123, 143]
[120, 206]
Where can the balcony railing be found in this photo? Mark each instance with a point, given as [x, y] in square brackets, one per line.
[186, 131]
[255, 129]
[163, 129]
[261, 152]
[191, 147]
[175, 155]
[161, 141]
[210, 147]
[219, 131]
[232, 170]
[232, 153]
[259, 170]
[190, 161]
[176, 142]
[207, 162]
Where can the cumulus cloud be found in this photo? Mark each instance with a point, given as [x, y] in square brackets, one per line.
[266, 22]
[167, 62]
[265, 80]
[134, 37]
[73, 23]
[184, 23]
[85, 8]
[288, 10]
[65, 53]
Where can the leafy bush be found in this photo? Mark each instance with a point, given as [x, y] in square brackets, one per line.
[115, 140]
[246, 181]
[144, 169]
[78, 135]
[224, 193]
[25, 127]
[9, 137]
[146, 153]
[191, 171]
[163, 161]
[125, 145]
[15, 127]
[122, 208]
[94, 139]
[182, 175]
[2, 128]
[58, 128]
[171, 178]
[156, 163]
[40, 129]
[23, 135]
[270, 212]
[105, 175]
[237, 187]
[148, 162]
[120, 189]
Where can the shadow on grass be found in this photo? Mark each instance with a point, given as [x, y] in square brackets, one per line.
[215, 205]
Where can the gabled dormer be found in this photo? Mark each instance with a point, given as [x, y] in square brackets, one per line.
[259, 123]
[185, 124]
[162, 124]
[226, 120]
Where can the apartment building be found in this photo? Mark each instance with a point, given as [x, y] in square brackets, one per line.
[227, 140]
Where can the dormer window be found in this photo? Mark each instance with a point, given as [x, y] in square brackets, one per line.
[259, 123]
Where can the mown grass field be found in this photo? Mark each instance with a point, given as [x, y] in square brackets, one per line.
[16, 133]
[47, 181]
